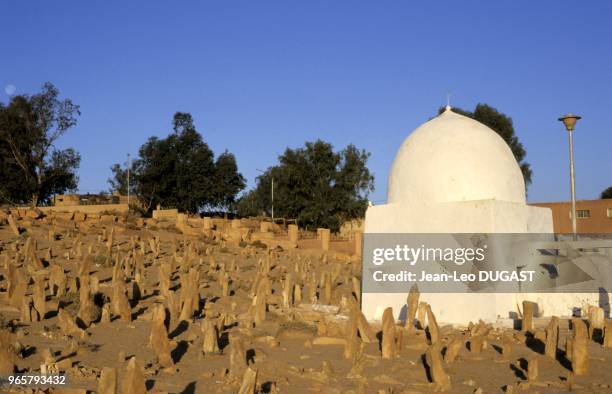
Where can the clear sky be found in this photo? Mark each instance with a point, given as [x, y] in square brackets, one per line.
[259, 76]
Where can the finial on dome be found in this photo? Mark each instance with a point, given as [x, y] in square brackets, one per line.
[448, 107]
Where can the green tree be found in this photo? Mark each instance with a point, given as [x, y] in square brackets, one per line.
[250, 204]
[119, 180]
[228, 181]
[502, 125]
[32, 168]
[180, 171]
[315, 185]
[606, 193]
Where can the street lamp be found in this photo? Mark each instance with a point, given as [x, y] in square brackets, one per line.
[271, 192]
[569, 121]
[129, 164]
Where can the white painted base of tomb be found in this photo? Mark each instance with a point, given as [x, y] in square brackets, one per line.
[484, 216]
[487, 216]
[460, 309]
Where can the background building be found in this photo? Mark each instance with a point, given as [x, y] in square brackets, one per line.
[593, 216]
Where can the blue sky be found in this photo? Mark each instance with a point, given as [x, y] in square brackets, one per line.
[259, 76]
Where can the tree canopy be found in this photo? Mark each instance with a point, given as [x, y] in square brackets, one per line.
[607, 193]
[118, 182]
[315, 185]
[180, 171]
[228, 181]
[31, 167]
[502, 125]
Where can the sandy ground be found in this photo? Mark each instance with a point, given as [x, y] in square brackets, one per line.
[284, 349]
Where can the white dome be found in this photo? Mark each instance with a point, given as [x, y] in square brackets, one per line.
[454, 158]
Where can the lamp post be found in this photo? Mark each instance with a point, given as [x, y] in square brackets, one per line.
[569, 121]
[129, 164]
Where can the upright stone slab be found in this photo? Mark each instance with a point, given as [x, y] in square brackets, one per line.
[432, 326]
[552, 338]
[352, 340]
[7, 360]
[596, 323]
[607, 342]
[358, 244]
[388, 334]
[107, 384]
[439, 377]
[453, 349]
[528, 312]
[288, 291]
[40, 303]
[13, 225]
[363, 326]
[67, 324]
[532, 368]
[421, 314]
[249, 382]
[325, 239]
[210, 343]
[159, 338]
[164, 279]
[238, 363]
[133, 380]
[293, 234]
[580, 355]
[121, 305]
[88, 311]
[412, 303]
[26, 310]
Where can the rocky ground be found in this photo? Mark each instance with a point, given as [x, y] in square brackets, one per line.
[120, 304]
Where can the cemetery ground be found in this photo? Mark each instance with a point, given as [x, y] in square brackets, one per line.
[190, 305]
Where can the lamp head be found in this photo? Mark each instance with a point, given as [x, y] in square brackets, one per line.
[569, 121]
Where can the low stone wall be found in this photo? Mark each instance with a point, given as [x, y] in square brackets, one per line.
[165, 214]
[88, 209]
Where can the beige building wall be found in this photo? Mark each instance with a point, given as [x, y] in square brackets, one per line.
[593, 216]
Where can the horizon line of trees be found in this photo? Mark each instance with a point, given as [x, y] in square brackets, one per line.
[315, 184]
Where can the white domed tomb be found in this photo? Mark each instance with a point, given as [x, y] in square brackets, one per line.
[454, 175]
